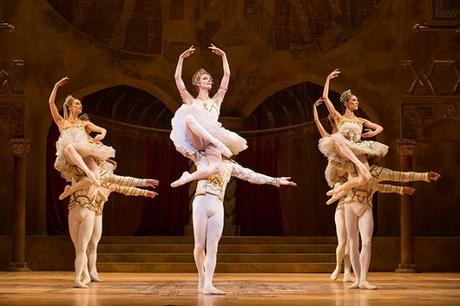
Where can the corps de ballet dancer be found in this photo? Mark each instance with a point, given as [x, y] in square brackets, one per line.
[196, 126]
[75, 147]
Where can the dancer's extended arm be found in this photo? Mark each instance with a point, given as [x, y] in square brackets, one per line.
[330, 107]
[376, 129]
[185, 95]
[220, 94]
[91, 127]
[51, 101]
[402, 190]
[320, 127]
[385, 174]
[132, 191]
[129, 181]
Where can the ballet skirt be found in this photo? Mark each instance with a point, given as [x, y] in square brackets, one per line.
[206, 113]
[79, 138]
[350, 130]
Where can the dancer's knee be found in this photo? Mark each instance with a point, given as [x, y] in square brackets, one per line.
[199, 247]
[189, 120]
[68, 149]
[366, 244]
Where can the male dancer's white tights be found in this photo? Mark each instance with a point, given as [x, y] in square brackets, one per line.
[208, 224]
[359, 221]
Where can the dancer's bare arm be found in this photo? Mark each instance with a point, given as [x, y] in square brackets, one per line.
[220, 94]
[320, 127]
[52, 101]
[185, 95]
[376, 129]
[91, 127]
[330, 107]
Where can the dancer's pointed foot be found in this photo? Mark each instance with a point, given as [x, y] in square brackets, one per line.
[348, 278]
[211, 290]
[366, 285]
[355, 285]
[365, 172]
[93, 178]
[79, 284]
[332, 200]
[67, 191]
[335, 274]
[225, 151]
[182, 180]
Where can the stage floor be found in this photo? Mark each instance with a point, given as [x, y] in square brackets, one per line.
[54, 288]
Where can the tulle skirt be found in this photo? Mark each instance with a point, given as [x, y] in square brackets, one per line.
[209, 122]
[372, 149]
[80, 141]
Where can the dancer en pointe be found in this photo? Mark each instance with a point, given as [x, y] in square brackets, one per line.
[85, 216]
[195, 126]
[208, 214]
[347, 144]
[359, 219]
[75, 147]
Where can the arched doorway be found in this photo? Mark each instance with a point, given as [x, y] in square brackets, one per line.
[138, 128]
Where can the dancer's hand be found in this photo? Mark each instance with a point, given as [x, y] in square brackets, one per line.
[334, 74]
[408, 190]
[151, 194]
[369, 134]
[433, 176]
[318, 102]
[61, 82]
[152, 183]
[98, 138]
[216, 50]
[286, 181]
[187, 52]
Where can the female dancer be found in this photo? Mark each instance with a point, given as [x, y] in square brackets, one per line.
[195, 125]
[75, 147]
[346, 144]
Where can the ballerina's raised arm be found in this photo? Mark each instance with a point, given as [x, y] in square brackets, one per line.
[220, 94]
[185, 95]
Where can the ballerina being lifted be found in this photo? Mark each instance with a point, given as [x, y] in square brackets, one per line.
[346, 144]
[75, 147]
[195, 126]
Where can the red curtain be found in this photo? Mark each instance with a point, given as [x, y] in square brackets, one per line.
[259, 206]
[168, 213]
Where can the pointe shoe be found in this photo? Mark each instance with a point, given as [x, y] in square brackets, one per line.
[93, 178]
[335, 274]
[367, 285]
[67, 191]
[225, 151]
[332, 200]
[181, 181]
[365, 172]
[331, 192]
[211, 290]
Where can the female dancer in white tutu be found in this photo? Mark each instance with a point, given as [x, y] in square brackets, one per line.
[195, 125]
[75, 147]
[346, 144]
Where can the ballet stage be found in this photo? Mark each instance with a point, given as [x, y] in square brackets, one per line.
[54, 288]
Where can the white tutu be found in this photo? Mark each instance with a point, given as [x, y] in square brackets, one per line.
[77, 136]
[207, 116]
